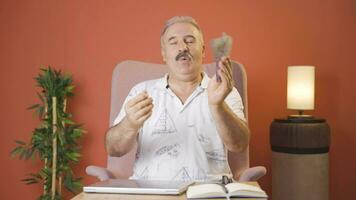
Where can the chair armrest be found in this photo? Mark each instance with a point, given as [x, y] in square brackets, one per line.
[101, 173]
[252, 174]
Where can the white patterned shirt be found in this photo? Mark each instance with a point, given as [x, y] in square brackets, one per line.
[180, 141]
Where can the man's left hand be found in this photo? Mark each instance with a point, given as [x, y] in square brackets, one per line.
[218, 91]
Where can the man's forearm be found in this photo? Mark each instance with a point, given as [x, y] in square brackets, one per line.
[120, 139]
[233, 131]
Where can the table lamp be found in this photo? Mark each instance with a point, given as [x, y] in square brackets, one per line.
[300, 90]
[300, 144]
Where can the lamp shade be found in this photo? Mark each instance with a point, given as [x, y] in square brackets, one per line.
[300, 87]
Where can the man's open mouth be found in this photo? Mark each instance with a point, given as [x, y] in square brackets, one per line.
[183, 56]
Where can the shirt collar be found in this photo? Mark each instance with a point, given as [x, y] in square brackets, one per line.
[204, 83]
[162, 83]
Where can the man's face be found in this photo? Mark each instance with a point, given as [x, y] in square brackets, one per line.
[183, 50]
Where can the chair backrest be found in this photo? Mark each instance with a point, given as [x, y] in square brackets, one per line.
[128, 73]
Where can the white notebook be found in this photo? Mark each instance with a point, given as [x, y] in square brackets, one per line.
[126, 186]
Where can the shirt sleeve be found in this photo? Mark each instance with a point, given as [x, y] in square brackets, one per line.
[234, 101]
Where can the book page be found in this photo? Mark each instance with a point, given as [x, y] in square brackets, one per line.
[205, 190]
[244, 190]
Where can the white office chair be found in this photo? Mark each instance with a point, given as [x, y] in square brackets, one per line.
[128, 73]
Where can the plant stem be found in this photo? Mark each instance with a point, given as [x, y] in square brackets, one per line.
[63, 123]
[54, 146]
[44, 180]
[60, 184]
[46, 159]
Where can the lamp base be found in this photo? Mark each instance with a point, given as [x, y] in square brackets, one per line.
[300, 119]
[300, 116]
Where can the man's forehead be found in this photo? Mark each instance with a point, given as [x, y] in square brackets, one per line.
[182, 29]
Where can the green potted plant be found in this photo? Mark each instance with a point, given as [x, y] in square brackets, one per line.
[54, 142]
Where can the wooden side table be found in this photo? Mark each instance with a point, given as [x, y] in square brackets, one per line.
[300, 159]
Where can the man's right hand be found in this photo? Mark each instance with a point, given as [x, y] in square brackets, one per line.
[138, 110]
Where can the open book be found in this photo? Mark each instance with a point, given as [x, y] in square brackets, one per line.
[212, 190]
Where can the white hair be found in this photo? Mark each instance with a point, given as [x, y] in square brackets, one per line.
[181, 19]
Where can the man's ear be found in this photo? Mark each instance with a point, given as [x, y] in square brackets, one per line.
[203, 51]
[163, 53]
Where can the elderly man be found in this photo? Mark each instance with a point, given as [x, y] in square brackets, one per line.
[185, 122]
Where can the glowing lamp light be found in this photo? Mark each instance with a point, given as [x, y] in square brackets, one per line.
[301, 88]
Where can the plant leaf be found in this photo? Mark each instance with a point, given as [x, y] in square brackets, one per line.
[20, 142]
[33, 106]
[16, 151]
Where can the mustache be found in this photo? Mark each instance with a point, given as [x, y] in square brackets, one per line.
[184, 54]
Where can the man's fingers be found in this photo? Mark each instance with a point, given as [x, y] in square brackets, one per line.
[224, 76]
[143, 95]
[226, 79]
[143, 118]
[228, 75]
[229, 67]
[138, 106]
[143, 103]
[226, 64]
[143, 111]
[228, 72]
[136, 116]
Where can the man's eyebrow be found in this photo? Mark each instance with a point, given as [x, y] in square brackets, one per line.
[171, 38]
[189, 36]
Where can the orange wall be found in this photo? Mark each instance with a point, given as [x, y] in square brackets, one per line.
[88, 38]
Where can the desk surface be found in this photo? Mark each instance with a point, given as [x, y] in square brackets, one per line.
[96, 196]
